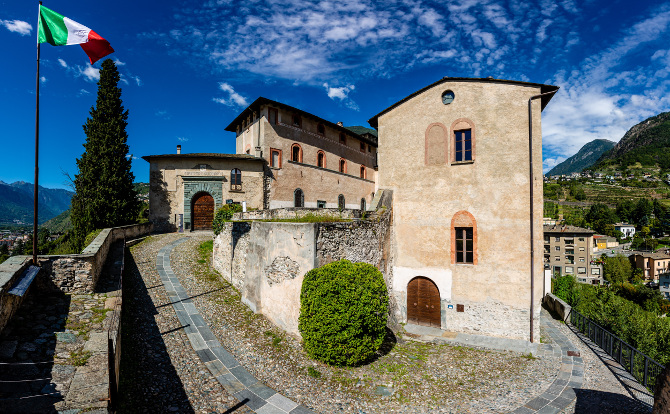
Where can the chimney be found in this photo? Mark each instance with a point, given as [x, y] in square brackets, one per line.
[178, 149]
[339, 123]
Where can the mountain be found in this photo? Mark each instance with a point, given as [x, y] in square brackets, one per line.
[647, 143]
[16, 202]
[585, 157]
[59, 224]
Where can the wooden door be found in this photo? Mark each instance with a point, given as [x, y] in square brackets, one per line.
[423, 302]
[203, 211]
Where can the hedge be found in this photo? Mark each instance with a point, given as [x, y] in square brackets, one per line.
[343, 312]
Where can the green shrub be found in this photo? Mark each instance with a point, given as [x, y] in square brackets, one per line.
[225, 213]
[343, 312]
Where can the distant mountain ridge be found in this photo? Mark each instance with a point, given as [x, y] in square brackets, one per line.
[16, 202]
[584, 158]
[647, 143]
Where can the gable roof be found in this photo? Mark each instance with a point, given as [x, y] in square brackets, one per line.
[256, 105]
[543, 88]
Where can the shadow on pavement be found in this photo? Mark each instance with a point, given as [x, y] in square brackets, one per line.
[149, 382]
[600, 402]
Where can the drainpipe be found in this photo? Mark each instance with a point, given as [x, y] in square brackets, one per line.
[532, 220]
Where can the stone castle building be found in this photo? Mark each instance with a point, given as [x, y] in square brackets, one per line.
[452, 161]
[285, 157]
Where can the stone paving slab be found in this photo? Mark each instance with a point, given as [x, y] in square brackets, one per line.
[221, 363]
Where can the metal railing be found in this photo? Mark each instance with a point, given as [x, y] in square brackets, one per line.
[640, 366]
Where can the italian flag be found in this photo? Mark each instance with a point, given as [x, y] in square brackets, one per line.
[57, 30]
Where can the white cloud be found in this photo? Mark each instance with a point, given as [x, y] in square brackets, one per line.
[182, 139]
[342, 94]
[117, 62]
[89, 73]
[62, 63]
[232, 99]
[163, 114]
[43, 79]
[601, 100]
[137, 80]
[17, 26]
[549, 163]
[83, 92]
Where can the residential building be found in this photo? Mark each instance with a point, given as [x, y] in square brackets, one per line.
[653, 265]
[664, 285]
[567, 251]
[455, 156]
[602, 242]
[628, 230]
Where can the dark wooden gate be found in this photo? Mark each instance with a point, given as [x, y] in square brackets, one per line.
[423, 302]
[203, 211]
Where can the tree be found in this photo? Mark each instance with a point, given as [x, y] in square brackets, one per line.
[19, 248]
[617, 269]
[104, 196]
[599, 215]
[4, 252]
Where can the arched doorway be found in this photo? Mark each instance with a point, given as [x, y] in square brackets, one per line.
[423, 302]
[203, 211]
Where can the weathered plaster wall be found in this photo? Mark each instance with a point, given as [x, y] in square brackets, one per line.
[494, 188]
[270, 259]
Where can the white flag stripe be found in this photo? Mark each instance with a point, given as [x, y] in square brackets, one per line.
[76, 33]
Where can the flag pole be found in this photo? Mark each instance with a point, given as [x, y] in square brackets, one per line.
[37, 143]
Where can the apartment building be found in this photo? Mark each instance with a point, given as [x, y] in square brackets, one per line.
[653, 265]
[567, 251]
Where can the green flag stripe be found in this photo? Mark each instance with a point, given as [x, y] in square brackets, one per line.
[51, 28]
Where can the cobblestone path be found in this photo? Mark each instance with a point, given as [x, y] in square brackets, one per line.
[186, 352]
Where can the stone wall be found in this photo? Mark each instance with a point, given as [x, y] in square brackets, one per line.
[296, 212]
[267, 261]
[558, 306]
[10, 271]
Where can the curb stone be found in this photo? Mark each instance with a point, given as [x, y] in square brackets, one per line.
[222, 364]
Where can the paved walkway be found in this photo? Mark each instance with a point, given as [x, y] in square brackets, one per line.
[223, 365]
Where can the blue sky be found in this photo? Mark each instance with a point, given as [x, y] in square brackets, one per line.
[188, 67]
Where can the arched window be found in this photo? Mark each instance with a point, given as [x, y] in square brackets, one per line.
[298, 198]
[463, 138]
[296, 153]
[297, 121]
[340, 202]
[343, 165]
[321, 159]
[321, 129]
[362, 204]
[463, 238]
[362, 171]
[236, 179]
[343, 138]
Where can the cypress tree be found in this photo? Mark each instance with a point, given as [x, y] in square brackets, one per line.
[104, 193]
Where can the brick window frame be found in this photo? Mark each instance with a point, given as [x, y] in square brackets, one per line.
[293, 153]
[462, 124]
[464, 219]
[323, 155]
[279, 157]
[342, 166]
[363, 172]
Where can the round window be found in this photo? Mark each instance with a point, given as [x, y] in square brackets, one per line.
[447, 97]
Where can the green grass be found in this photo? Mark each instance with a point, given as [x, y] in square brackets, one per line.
[313, 373]
[79, 358]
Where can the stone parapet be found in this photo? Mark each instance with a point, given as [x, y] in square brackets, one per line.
[296, 212]
[558, 306]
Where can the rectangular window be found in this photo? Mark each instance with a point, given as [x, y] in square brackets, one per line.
[581, 249]
[557, 239]
[581, 239]
[275, 158]
[273, 116]
[581, 270]
[362, 147]
[581, 259]
[369, 148]
[558, 258]
[558, 248]
[320, 204]
[464, 245]
[569, 269]
[463, 145]
[595, 271]
[203, 167]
